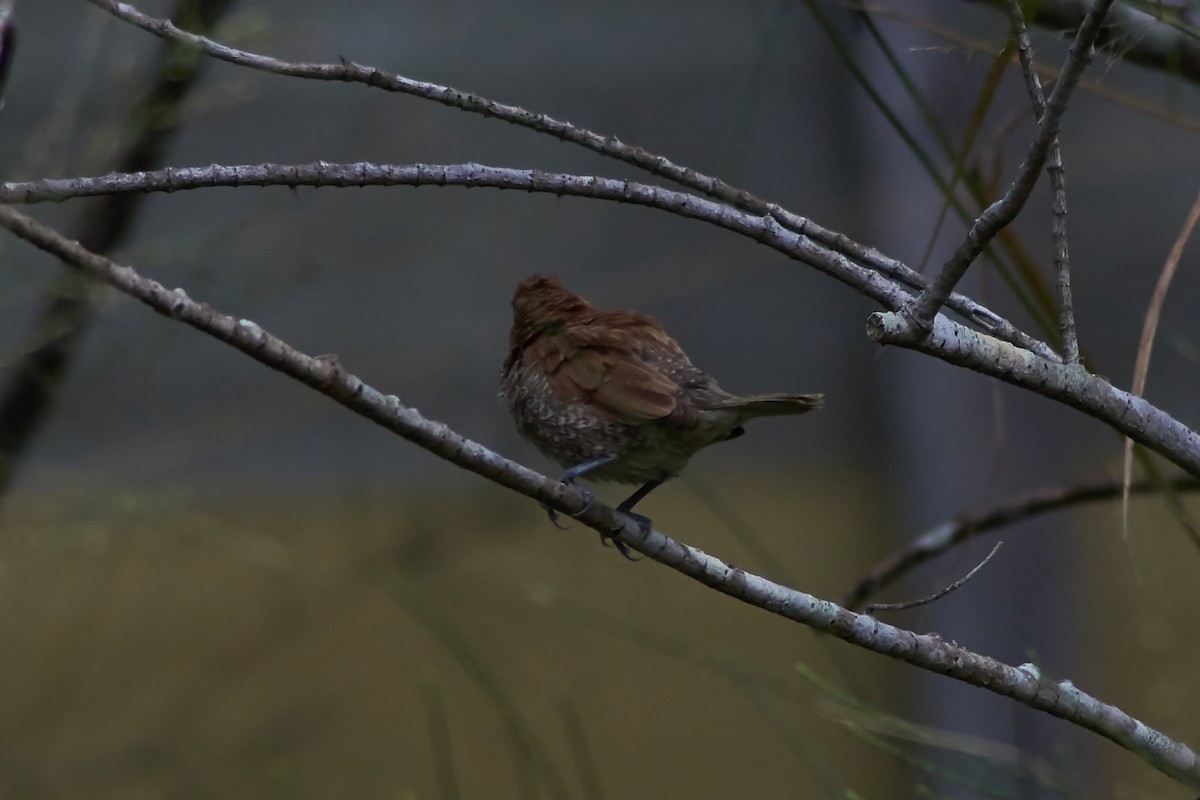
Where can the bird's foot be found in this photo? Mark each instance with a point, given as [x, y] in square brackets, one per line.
[588, 499]
[643, 523]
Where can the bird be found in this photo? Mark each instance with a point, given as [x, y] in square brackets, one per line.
[609, 395]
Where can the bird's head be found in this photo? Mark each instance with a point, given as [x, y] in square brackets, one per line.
[541, 303]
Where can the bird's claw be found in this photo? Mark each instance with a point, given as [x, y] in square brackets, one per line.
[588, 499]
[553, 515]
[643, 523]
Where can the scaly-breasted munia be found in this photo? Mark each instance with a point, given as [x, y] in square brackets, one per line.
[610, 395]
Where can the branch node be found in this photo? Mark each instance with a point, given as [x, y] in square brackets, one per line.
[181, 301]
[892, 327]
[1032, 670]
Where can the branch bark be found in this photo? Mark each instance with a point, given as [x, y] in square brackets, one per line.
[1070, 384]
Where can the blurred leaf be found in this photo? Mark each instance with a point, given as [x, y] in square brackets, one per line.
[439, 739]
[533, 762]
[763, 691]
[985, 759]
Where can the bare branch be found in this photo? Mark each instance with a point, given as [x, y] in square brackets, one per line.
[941, 539]
[1070, 384]
[940, 593]
[1067, 329]
[1000, 213]
[1024, 684]
[1058, 186]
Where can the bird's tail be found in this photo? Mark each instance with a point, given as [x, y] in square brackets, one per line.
[771, 405]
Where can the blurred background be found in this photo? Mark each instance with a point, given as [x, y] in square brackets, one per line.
[215, 582]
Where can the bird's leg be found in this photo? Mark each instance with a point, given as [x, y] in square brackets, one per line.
[579, 470]
[628, 503]
[573, 474]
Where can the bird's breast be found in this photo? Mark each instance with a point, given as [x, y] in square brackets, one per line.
[568, 431]
[572, 432]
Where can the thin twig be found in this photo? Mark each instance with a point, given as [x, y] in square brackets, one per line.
[1141, 367]
[1024, 683]
[1000, 213]
[611, 146]
[942, 538]
[938, 595]
[1067, 330]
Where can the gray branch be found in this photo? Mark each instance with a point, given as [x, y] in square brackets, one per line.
[1070, 384]
[1024, 683]
[1058, 187]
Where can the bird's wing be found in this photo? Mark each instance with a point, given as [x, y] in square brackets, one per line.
[616, 365]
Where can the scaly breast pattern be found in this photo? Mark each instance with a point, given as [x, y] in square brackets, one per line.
[572, 432]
